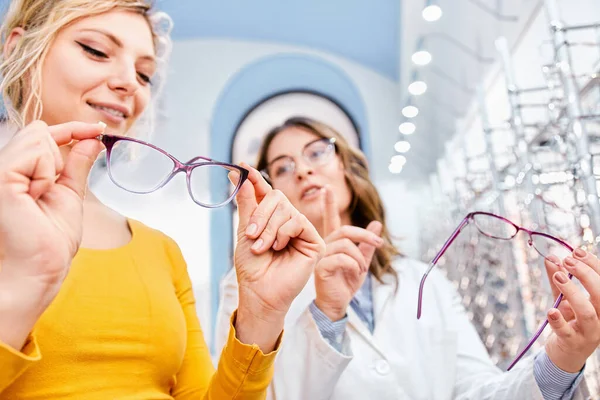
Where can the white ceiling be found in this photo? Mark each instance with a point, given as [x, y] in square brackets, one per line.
[453, 74]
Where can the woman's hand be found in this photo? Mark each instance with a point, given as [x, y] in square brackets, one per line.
[575, 324]
[342, 271]
[275, 255]
[41, 211]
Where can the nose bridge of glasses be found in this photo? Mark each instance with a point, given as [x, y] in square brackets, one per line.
[198, 158]
[302, 164]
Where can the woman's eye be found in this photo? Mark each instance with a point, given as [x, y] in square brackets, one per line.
[145, 78]
[316, 153]
[92, 51]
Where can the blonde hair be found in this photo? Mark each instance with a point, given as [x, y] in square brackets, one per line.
[41, 20]
[366, 205]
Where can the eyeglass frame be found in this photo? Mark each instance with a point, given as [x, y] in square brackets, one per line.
[330, 142]
[453, 237]
[109, 142]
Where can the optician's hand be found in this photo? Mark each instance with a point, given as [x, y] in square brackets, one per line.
[275, 255]
[575, 324]
[350, 249]
[41, 211]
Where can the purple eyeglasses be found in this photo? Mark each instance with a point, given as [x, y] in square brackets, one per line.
[140, 167]
[496, 227]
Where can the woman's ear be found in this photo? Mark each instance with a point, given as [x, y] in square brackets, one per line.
[12, 40]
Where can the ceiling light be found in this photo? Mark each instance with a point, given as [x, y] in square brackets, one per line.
[402, 146]
[399, 159]
[407, 128]
[421, 57]
[432, 13]
[410, 111]
[417, 88]
[395, 168]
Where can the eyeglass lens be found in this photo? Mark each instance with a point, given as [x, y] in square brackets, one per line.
[499, 228]
[315, 153]
[141, 169]
[138, 168]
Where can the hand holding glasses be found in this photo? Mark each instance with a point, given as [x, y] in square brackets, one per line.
[272, 234]
[580, 331]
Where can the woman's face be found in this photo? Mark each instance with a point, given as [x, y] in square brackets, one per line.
[302, 186]
[99, 68]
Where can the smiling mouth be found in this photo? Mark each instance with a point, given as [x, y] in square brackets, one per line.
[114, 112]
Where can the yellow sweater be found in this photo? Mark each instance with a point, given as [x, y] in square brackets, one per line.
[124, 326]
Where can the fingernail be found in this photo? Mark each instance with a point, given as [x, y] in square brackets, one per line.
[233, 177]
[561, 277]
[570, 262]
[251, 229]
[553, 314]
[275, 243]
[553, 259]
[580, 253]
[257, 245]
[379, 240]
[102, 124]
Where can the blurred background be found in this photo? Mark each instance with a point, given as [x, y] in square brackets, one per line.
[459, 105]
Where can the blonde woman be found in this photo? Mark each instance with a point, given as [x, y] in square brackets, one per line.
[353, 334]
[94, 305]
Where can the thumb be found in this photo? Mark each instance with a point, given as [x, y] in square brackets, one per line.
[368, 250]
[246, 200]
[78, 165]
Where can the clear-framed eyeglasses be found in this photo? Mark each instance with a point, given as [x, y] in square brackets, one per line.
[316, 153]
[140, 167]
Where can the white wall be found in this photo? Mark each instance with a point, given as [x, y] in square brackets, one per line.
[200, 70]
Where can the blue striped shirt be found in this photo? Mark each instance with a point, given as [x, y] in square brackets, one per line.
[554, 383]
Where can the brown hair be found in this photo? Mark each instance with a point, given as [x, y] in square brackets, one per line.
[42, 20]
[366, 205]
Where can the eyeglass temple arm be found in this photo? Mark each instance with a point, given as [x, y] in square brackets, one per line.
[439, 255]
[538, 333]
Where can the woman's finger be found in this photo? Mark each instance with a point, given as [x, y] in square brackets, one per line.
[356, 234]
[330, 211]
[587, 258]
[282, 213]
[553, 265]
[64, 134]
[347, 247]
[261, 186]
[263, 212]
[368, 250]
[59, 163]
[335, 262]
[559, 325]
[78, 165]
[584, 311]
[300, 228]
[588, 277]
[565, 309]
[43, 173]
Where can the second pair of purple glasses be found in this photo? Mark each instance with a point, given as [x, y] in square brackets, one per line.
[497, 227]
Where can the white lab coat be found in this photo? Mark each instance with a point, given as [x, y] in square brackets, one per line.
[438, 357]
